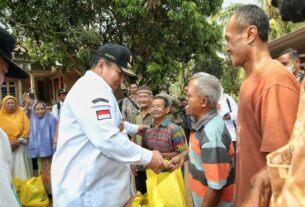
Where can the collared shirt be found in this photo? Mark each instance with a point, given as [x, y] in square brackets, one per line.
[91, 166]
[55, 111]
[211, 160]
[140, 119]
[168, 137]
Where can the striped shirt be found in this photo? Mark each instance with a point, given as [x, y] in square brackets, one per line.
[168, 137]
[211, 160]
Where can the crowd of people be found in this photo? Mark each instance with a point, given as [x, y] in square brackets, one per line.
[91, 152]
[31, 138]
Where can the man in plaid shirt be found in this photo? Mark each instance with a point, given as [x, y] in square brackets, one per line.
[164, 136]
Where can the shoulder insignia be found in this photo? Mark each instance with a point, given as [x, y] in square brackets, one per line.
[100, 100]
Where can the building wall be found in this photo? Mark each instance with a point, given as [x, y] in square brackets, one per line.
[45, 87]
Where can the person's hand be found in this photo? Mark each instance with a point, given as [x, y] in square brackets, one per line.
[27, 99]
[156, 163]
[14, 144]
[175, 163]
[134, 169]
[142, 129]
[227, 117]
[260, 189]
[121, 126]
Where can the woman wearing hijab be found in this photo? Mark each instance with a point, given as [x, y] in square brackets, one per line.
[42, 129]
[15, 124]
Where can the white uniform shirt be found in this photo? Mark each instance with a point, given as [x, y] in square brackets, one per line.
[223, 109]
[7, 195]
[91, 166]
[55, 110]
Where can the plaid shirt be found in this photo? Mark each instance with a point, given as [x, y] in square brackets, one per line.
[168, 137]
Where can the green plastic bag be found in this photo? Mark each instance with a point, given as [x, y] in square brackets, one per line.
[31, 192]
[166, 189]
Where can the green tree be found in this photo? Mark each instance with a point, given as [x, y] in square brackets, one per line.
[164, 36]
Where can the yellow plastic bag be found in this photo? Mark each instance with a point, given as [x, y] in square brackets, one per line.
[17, 184]
[140, 200]
[31, 192]
[166, 189]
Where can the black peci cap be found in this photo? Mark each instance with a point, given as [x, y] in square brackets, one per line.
[7, 44]
[119, 55]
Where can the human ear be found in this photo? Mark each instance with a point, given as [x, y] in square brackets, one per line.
[251, 32]
[100, 66]
[167, 109]
[204, 102]
[297, 62]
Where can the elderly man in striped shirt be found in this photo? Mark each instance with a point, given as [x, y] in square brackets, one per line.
[211, 152]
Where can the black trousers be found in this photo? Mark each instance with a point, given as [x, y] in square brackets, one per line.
[140, 179]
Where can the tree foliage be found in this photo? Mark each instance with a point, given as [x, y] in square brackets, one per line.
[163, 36]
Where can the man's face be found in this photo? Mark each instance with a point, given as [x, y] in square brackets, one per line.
[62, 97]
[133, 88]
[235, 43]
[113, 75]
[194, 100]
[144, 99]
[158, 109]
[288, 62]
[3, 69]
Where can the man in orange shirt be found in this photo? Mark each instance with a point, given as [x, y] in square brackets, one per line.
[267, 106]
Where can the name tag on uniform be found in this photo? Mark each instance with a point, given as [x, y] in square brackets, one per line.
[103, 114]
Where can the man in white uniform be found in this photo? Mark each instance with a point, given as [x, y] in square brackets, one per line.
[56, 108]
[11, 70]
[91, 166]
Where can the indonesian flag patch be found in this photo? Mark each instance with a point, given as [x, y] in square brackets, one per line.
[103, 114]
